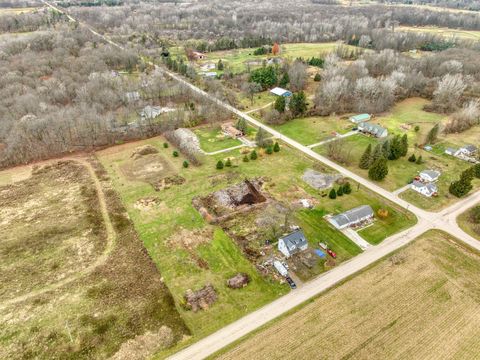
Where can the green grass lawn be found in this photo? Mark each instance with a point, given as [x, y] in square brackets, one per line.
[311, 130]
[212, 139]
[180, 267]
[260, 99]
[467, 225]
[317, 230]
[236, 59]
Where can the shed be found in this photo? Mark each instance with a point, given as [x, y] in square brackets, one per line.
[281, 92]
[357, 119]
[352, 217]
[292, 243]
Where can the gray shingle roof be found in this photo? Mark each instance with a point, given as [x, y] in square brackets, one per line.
[431, 173]
[295, 240]
[352, 216]
[432, 188]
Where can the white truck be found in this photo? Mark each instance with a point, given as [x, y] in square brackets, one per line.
[280, 268]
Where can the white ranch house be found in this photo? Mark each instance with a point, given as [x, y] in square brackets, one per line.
[353, 217]
[373, 129]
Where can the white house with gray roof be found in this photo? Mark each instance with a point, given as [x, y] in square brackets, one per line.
[352, 217]
[427, 189]
[292, 243]
[373, 129]
[429, 175]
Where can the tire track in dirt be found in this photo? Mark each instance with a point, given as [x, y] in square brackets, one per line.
[111, 239]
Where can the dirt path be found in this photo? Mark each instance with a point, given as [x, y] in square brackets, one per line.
[111, 238]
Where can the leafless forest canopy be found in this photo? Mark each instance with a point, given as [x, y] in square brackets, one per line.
[62, 89]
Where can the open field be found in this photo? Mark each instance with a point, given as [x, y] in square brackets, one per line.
[237, 59]
[76, 282]
[19, 10]
[420, 303]
[213, 256]
[212, 139]
[311, 130]
[468, 225]
[446, 32]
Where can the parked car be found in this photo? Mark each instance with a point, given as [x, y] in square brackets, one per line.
[291, 282]
[331, 253]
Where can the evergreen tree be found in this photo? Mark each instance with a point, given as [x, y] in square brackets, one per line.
[317, 77]
[175, 153]
[269, 150]
[462, 186]
[284, 80]
[404, 142]
[366, 159]
[262, 138]
[165, 145]
[412, 158]
[340, 191]
[276, 147]
[476, 170]
[228, 163]
[298, 103]
[347, 189]
[377, 153]
[185, 164]
[332, 194]
[419, 160]
[242, 125]
[253, 155]
[386, 149]
[378, 170]
[246, 159]
[220, 164]
[220, 65]
[396, 148]
[432, 134]
[280, 104]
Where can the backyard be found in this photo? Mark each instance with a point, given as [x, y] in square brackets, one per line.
[419, 303]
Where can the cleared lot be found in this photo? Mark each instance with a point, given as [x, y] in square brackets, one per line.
[421, 303]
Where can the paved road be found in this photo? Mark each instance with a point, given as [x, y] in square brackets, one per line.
[444, 220]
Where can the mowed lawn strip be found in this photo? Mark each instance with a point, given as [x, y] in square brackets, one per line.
[421, 302]
[212, 139]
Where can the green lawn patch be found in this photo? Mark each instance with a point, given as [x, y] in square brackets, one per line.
[312, 130]
[212, 139]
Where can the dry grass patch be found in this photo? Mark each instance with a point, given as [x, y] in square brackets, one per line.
[420, 303]
[52, 227]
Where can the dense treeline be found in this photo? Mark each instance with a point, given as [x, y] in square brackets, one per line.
[60, 91]
[374, 82]
[457, 4]
[218, 25]
[29, 21]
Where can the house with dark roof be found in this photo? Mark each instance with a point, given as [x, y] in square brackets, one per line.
[353, 217]
[292, 243]
[373, 129]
